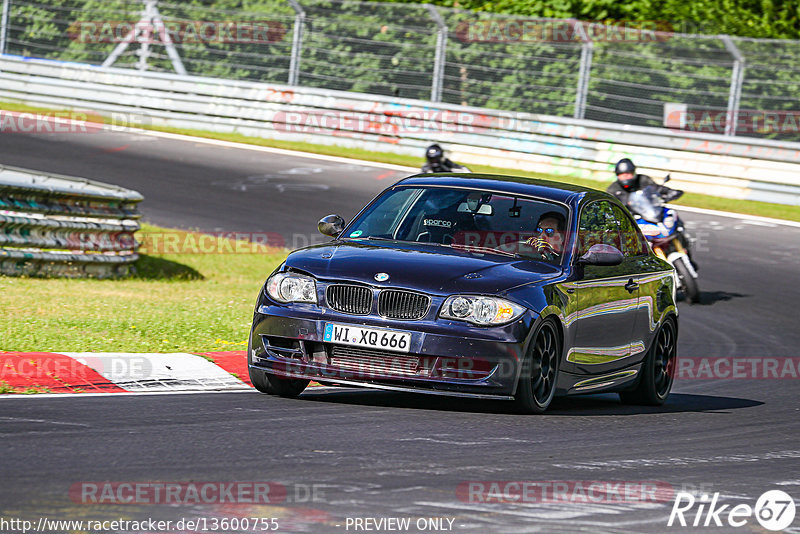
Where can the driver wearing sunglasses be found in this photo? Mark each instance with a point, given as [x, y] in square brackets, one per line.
[549, 238]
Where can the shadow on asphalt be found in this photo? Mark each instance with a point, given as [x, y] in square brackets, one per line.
[708, 298]
[585, 405]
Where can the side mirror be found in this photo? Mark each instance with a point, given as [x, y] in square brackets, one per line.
[331, 226]
[603, 255]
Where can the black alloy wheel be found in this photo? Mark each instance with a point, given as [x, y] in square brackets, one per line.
[537, 383]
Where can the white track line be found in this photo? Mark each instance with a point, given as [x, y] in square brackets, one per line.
[390, 166]
[117, 394]
[246, 389]
[740, 216]
[266, 149]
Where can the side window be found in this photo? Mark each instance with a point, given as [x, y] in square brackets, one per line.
[598, 225]
[631, 245]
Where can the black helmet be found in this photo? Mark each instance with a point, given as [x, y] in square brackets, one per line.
[625, 166]
[434, 153]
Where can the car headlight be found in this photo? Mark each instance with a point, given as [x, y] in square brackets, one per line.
[480, 310]
[292, 287]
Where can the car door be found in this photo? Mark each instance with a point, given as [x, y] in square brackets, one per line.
[607, 297]
[655, 283]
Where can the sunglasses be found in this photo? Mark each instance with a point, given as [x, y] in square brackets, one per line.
[546, 231]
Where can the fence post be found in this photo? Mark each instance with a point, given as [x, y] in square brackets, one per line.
[4, 26]
[166, 40]
[297, 42]
[584, 72]
[144, 44]
[735, 94]
[440, 56]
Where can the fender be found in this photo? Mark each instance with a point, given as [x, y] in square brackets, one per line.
[672, 258]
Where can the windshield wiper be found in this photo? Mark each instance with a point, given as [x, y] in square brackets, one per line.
[380, 238]
[486, 250]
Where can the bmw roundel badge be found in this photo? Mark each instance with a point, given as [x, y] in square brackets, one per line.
[381, 277]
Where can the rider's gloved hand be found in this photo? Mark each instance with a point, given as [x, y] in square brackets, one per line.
[669, 194]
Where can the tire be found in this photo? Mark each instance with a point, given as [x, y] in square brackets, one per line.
[286, 387]
[274, 385]
[658, 371]
[259, 380]
[688, 282]
[537, 381]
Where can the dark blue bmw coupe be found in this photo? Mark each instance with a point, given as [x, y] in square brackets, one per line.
[473, 285]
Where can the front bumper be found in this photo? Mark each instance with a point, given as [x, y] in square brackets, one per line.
[445, 357]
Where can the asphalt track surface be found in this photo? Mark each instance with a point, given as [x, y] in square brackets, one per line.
[375, 454]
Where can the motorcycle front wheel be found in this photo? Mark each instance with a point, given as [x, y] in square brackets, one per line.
[687, 281]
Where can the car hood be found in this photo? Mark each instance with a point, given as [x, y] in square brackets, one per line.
[429, 268]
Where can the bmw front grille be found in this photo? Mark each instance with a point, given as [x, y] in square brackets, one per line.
[356, 300]
[392, 303]
[395, 304]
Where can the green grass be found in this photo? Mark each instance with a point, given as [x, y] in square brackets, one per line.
[193, 302]
[176, 303]
[749, 207]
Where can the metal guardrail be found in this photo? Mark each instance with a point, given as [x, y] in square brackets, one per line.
[624, 72]
[713, 164]
[53, 225]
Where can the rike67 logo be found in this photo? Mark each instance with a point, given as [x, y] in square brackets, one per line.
[774, 511]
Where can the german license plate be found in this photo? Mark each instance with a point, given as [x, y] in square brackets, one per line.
[367, 337]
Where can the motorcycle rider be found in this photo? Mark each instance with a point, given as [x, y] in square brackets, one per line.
[628, 181]
[438, 163]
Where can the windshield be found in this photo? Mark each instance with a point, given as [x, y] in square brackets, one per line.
[646, 203]
[473, 220]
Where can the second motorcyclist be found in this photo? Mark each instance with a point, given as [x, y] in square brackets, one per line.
[437, 162]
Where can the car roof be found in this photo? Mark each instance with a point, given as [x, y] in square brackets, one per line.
[515, 185]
